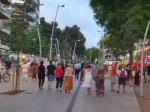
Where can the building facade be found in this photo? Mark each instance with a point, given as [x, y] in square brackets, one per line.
[6, 9]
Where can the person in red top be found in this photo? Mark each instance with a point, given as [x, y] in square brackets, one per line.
[113, 73]
[58, 76]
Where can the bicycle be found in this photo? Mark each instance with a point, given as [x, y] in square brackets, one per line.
[4, 75]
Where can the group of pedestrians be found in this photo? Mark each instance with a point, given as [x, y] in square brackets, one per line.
[87, 75]
[62, 73]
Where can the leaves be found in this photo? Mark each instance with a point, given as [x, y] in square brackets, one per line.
[125, 20]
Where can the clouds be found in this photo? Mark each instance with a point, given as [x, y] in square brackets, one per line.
[77, 12]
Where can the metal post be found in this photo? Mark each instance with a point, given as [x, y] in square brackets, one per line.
[74, 54]
[91, 55]
[40, 44]
[38, 30]
[74, 47]
[58, 51]
[52, 34]
[142, 58]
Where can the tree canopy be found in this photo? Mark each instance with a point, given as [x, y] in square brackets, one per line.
[125, 20]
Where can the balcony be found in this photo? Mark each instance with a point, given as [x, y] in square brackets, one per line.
[5, 26]
[5, 11]
[6, 2]
[17, 1]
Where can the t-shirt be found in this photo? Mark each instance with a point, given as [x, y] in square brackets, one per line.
[41, 71]
[58, 72]
[51, 69]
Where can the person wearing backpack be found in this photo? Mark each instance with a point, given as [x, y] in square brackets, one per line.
[122, 74]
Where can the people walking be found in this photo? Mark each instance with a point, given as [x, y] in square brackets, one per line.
[87, 80]
[148, 72]
[50, 74]
[24, 69]
[82, 71]
[63, 69]
[99, 80]
[68, 82]
[58, 76]
[34, 70]
[41, 75]
[77, 67]
[137, 74]
[122, 74]
[113, 73]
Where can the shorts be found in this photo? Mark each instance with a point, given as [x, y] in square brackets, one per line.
[122, 81]
[112, 79]
[50, 77]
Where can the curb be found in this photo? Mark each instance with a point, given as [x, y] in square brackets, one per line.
[136, 101]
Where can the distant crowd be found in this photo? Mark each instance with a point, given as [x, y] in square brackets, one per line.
[86, 73]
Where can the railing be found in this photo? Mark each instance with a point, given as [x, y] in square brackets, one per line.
[5, 10]
[5, 26]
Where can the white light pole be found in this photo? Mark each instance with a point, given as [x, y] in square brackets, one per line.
[91, 55]
[74, 49]
[58, 48]
[142, 58]
[38, 31]
[52, 34]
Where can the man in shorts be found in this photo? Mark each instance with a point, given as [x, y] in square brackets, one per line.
[50, 73]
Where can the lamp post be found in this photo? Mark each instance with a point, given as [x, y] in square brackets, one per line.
[58, 48]
[103, 48]
[142, 58]
[52, 34]
[74, 49]
[38, 31]
[39, 36]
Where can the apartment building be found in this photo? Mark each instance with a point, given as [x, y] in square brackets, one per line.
[6, 10]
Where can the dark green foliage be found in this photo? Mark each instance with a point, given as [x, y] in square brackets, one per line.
[125, 20]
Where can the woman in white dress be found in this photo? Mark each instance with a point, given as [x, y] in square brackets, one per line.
[88, 78]
[25, 68]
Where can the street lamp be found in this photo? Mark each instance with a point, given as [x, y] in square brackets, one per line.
[103, 47]
[39, 36]
[58, 48]
[38, 31]
[74, 49]
[142, 57]
[53, 27]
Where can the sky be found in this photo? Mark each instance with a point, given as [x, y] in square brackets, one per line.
[76, 12]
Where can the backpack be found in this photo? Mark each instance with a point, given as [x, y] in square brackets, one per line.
[122, 74]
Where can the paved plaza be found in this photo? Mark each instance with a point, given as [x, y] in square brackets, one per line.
[34, 100]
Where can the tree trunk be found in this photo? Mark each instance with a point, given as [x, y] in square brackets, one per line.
[17, 75]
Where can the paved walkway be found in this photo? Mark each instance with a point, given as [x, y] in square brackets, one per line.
[112, 102]
[34, 100]
[145, 100]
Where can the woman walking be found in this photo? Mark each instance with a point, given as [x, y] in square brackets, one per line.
[99, 80]
[113, 73]
[34, 70]
[87, 81]
[25, 68]
[41, 75]
[68, 82]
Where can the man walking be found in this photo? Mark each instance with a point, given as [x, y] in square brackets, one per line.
[58, 75]
[41, 75]
[50, 73]
[77, 67]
